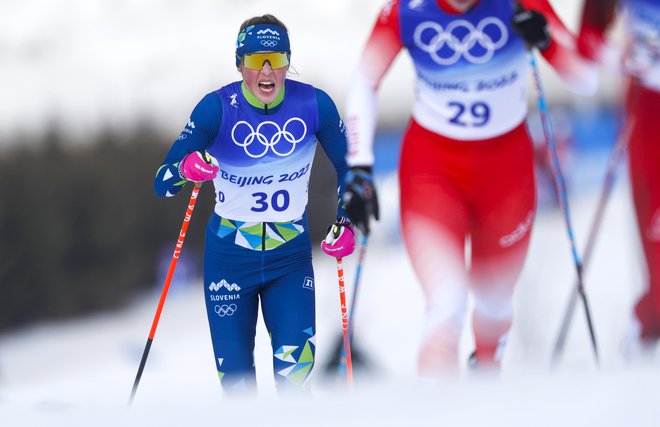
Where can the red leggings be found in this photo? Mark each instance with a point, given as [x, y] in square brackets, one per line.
[455, 192]
[644, 165]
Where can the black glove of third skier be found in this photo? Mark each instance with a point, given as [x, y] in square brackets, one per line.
[532, 27]
[360, 199]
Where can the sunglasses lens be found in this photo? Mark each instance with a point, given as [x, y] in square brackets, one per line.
[256, 61]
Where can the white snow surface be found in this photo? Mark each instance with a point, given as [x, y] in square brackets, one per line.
[80, 373]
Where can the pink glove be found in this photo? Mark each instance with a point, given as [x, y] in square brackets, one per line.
[340, 241]
[194, 168]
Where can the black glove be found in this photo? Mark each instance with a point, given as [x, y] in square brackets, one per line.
[531, 26]
[360, 200]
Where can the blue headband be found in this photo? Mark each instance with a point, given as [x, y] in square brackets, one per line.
[262, 38]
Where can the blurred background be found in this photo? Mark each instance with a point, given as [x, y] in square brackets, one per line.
[92, 94]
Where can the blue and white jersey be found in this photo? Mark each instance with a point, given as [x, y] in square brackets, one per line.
[472, 69]
[265, 152]
[265, 161]
[642, 34]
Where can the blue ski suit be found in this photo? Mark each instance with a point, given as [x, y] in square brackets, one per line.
[258, 247]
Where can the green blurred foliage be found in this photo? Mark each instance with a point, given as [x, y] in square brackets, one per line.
[81, 229]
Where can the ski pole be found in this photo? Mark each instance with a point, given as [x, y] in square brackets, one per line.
[560, 188]
[166, 286]
[356, 283]
[345, 322]
[610, 177]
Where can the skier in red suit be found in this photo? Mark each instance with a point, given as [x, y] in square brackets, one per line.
[641, 65]
[466, 170]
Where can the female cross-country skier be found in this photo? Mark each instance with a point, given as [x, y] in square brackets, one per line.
[466, 168]
[641, 65]
[255, 139]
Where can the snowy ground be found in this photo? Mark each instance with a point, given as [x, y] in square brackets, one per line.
[80, 373]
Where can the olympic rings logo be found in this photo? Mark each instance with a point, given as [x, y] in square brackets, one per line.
[269, 43]
[459, 38]
[264, 142]
[225, 310]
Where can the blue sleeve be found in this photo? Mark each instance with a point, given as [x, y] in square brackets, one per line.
[332, 135]
[197, 135]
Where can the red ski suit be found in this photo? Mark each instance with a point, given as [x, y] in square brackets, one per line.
[641, 64]
[466, 170]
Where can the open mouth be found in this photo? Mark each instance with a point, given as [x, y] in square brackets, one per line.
[266, 86]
